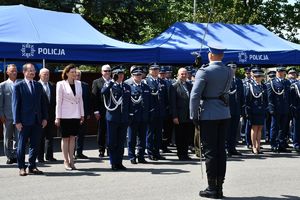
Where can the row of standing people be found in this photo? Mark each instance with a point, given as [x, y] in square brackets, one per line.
[265, 107]
[67, 105]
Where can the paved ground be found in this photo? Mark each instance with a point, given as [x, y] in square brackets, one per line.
[266, 177]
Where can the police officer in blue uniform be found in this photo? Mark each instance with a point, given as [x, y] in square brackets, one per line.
[189, 70]
[245, 128]
[159, 97]
[279, 103]
[236, 104]
[292, 77]
[256, 108]
[117, 102]
[212, 85]
[167, 123]
[271, 74]
[140, 103]
[295, 112]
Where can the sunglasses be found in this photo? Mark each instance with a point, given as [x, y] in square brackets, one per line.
[106, 70]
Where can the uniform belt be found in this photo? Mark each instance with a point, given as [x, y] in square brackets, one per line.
[206, 98]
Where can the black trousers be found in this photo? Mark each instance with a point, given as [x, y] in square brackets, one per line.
[46, 142]
[101, 136]
[80, 137]
[213, 134]
[182, 137]
[167, 132]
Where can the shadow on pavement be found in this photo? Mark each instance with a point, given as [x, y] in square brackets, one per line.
[162, 171]
[284, 197]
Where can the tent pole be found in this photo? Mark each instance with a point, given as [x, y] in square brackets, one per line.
[4, 69]
[44, 63]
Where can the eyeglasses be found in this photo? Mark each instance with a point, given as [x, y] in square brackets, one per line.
[106, 70]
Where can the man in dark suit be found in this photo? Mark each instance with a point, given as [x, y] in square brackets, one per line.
[98, 107]
[46, 142]
[180, 100]
[236, 105]
[87, 115]
[30, 116]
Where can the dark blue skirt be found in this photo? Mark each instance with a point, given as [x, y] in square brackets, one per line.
[257, 120]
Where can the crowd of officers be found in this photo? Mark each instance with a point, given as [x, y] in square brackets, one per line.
[151, 105]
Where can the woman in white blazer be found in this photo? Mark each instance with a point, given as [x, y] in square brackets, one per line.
[69, 112]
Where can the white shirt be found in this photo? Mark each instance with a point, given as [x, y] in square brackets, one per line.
[28, 84]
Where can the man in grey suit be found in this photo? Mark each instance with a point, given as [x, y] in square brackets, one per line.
[179, 103]
[211, 85]
[10, 132]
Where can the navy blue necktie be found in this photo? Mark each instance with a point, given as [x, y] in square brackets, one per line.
[31, 87]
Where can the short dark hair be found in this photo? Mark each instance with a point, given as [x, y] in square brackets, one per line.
[66, 70]
[25, 66]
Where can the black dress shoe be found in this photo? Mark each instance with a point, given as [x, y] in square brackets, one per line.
[275, 149]
[184, 158]
[209, 193]
[133, 161]
[166, 150]
[284, 150]
[41, 160]
[235, 153]
[160, 157]
[142, 160]
[35, 171]
[10, 161]
[121, 167]
[51, 159]
[114, 167]
[81, 156]
[101, 154]
[152, 158]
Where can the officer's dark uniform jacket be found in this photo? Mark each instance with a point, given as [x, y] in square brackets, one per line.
[256, 99]
[159, 97]
[295, 99]
[114, 94]
[278, 96]
[140, 101]
[236, 97]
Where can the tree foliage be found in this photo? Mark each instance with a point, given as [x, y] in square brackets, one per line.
[137, 21]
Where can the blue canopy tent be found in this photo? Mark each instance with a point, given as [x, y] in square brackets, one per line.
[245, 44]
[35, 34]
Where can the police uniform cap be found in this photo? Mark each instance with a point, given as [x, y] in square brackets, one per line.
[280, 69]
[232, 65]
[153, 66]
[137, 71]
[189, 69]
[292, 70]
[145, 69]
[169, 69]
[258, 72]
[254, 69]
[216, 48]
[271, 72]
[247, 69]
[162, 69]
[117, 70]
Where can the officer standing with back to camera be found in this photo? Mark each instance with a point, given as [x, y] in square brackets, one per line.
[236, 105]
[279, 105]
[212, 85]
[140, 103]
[116, 100]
